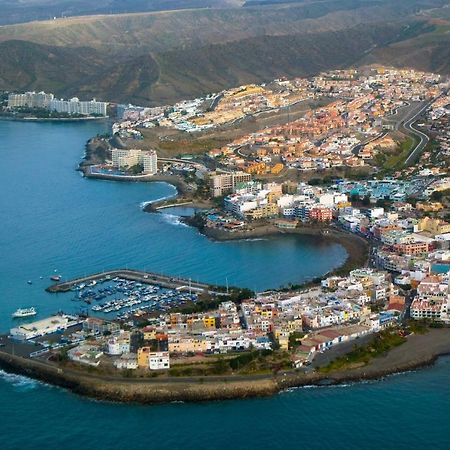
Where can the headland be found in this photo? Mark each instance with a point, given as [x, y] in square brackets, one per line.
[419, 350]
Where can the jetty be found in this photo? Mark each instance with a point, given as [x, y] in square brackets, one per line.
[166, 281]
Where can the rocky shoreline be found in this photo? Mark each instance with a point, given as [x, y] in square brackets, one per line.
[418, 351]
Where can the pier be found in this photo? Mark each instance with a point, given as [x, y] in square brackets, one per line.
[166, 281]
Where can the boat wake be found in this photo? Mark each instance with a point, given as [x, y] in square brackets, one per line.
[144, 204]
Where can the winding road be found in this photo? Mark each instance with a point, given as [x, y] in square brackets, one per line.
[404, 119]
[410, 129]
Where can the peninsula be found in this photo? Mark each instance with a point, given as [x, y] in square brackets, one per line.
[367, 166]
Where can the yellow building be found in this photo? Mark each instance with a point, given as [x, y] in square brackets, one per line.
[188, 344]
[257, 168]
[281, 334]
[341, 205]
[143, 355]
[267, 313]
[149, 333]
[429, 206]
[433, 226]
[269, 210]
[272, 197]
[276, 169]
[209, 322]
[283, 341]
[294, 325]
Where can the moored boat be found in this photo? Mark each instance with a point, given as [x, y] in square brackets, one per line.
[24, 312]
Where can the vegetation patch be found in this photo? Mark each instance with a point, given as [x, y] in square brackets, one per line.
[361, 355]
[389, 162]
[245, 363]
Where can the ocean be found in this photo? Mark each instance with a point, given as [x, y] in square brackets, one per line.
[55, 221]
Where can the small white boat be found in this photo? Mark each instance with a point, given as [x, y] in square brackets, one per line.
[24, 312]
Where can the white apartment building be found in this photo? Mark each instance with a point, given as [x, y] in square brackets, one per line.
[150, 162]
[122, 158]
[30, 99]
[75, 106]
[118, 345]
[127, 361]
[226, 182]
[47, 101]
[159, 360]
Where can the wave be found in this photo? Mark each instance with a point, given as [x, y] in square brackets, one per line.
[233, 241]
[326, 386]
[19, 381]
[173, 220]
[149, 202]
[253, 239]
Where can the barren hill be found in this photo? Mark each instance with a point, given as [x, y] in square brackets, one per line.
[159, 57]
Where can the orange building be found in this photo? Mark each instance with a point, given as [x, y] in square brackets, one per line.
[321, 214]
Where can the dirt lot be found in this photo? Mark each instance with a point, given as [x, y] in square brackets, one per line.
[169, 142]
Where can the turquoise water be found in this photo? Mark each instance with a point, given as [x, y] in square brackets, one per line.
[407, 411]
[441, 268]
[51, 218]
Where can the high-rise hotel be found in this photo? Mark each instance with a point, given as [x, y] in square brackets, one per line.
[124, 158]
[48, 101]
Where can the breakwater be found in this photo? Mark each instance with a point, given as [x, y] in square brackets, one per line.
[419, 351]
[180, 284]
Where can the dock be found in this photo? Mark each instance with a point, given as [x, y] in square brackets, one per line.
[166, 281]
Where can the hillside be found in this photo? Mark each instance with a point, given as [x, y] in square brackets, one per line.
[215, 67]
[428, 51]
[18, 11]
[162, 31]
[159, 57]
[26, 65]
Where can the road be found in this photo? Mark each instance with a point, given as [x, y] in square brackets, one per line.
[404, 118]
[357, 148]
[338, 350]
[423, 138]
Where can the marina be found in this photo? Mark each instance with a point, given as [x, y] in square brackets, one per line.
[123, 294]
[166, 281]
[121, 298]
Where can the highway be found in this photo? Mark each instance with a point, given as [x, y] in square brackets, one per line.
[404, 118]
[423, 138]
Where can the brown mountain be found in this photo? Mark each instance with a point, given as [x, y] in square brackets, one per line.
[160, 57]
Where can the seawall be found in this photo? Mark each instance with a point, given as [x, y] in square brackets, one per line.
[139, 390]
[134, 275]
[419, 351]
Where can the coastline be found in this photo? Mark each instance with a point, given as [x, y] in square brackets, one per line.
[356, 247]
[52, 119]
[417, 352]
[96, 153]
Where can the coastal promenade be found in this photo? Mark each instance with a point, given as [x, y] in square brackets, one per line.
[180, 284]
